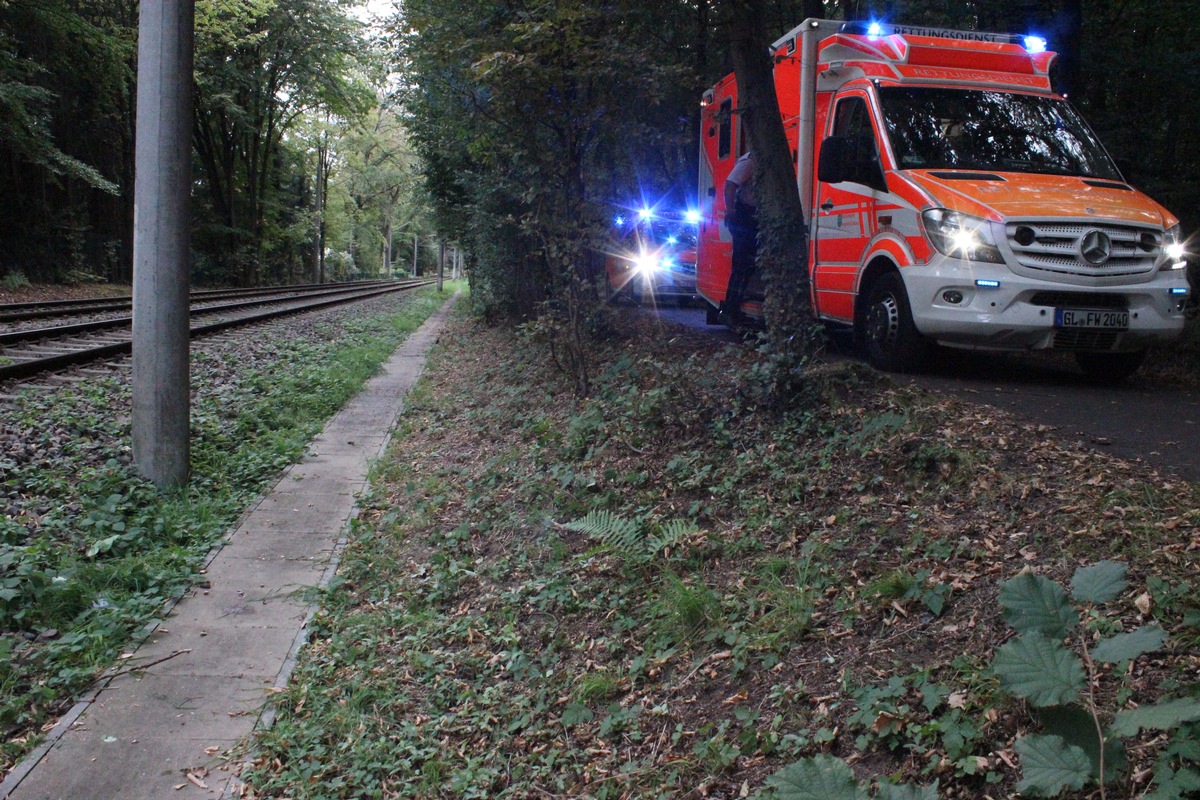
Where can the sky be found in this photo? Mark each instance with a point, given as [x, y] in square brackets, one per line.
[372, 9]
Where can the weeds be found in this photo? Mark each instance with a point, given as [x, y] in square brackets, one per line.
[1060, 681]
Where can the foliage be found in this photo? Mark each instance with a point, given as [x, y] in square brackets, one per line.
[1036, 666]
[828, 778]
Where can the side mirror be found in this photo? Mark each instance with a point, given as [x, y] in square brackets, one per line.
[831, 164]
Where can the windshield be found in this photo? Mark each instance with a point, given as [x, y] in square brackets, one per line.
[999, 131]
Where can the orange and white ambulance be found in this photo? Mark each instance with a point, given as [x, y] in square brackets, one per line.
[952, 197]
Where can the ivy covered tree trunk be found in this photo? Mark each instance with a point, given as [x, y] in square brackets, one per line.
[783, 236]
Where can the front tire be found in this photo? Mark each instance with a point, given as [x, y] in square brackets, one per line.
[1110, 367]
[890, 340]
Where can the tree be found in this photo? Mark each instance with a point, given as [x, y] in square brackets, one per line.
[382, 173]
[783, 235]
[524, 138]
[66, 133]
[260, 65]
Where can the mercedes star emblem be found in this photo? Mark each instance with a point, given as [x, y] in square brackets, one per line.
[1095, 247]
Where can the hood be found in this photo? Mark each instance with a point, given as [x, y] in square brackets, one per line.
[1000, 195]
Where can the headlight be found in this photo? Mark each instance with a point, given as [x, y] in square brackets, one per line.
[960, 235]
[646, 263]
[1174, 249]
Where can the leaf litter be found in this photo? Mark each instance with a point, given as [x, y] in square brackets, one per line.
[840, 597]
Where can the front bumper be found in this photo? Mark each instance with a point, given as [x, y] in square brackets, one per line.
[986, 306]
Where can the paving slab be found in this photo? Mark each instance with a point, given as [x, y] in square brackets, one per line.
[163, 722]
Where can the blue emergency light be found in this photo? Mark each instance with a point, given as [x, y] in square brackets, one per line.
[987, 283]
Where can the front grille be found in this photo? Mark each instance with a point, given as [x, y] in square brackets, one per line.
[1085, 340]
[1055, 247]
[1079, 300]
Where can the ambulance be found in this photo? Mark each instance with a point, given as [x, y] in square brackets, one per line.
[952, 197]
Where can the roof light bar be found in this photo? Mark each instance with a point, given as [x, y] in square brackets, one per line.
[1034, 44]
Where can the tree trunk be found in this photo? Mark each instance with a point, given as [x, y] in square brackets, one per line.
[387, 250]
[319, 215]
[783, 230]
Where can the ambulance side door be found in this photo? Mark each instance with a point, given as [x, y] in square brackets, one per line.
[718, 154]
[849, 181]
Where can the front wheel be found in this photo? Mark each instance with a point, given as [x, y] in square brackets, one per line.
[890, 340]
[1110, 367]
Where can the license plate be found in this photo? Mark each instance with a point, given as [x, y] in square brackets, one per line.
[1091, 318]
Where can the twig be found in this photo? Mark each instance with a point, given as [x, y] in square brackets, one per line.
[151, 663]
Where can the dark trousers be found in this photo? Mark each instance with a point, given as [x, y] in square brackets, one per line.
[743, 229]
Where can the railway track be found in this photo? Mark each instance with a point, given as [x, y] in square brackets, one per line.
[19, 313]
[29, 351]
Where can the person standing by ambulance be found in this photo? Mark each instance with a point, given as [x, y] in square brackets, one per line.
[741, 219]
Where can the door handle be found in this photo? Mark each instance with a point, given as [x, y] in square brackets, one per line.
[827, 205]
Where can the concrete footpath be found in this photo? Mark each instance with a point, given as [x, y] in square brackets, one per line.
[162, 723]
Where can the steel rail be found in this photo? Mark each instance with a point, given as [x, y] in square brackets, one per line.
[17, 312]
[58, 361]
[9, 338]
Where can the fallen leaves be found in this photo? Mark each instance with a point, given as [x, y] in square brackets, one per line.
[843, 511]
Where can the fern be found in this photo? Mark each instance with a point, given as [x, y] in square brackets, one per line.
[628, 539]
[672, 533]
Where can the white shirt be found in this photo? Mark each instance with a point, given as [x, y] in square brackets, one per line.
[742, 175]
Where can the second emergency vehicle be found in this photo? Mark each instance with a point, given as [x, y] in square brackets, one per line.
[952, 197]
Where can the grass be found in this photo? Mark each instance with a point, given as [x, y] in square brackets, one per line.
[497, 634]
[90, 552]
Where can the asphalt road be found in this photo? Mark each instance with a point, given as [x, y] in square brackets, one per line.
[1133, 420]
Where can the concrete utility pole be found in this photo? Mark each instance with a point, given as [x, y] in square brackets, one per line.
[161, 238]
